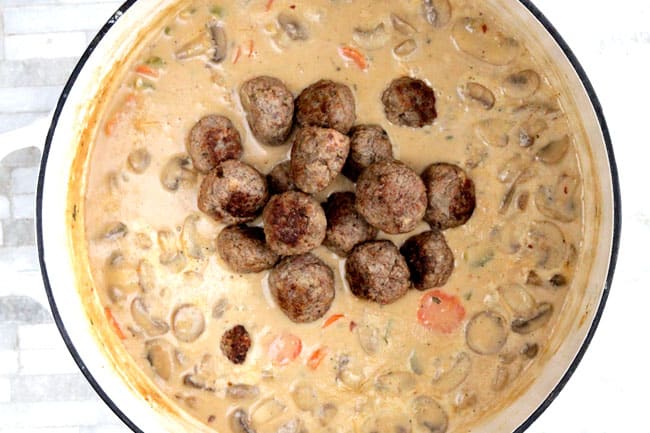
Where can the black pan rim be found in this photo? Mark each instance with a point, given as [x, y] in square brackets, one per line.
[617, 214]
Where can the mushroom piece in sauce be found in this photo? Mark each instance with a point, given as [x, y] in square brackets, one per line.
[486, 333]
[188, 323]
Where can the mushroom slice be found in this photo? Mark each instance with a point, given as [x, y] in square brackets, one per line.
[294, 425]
[500, 379]
[170, 255]
[521, 84]
[115, 231]
[240, 422]
[455, 375]
[242, 391]
[195, 47]
[326, 413]
[350, 377]
[493, 132]
[304, 397]
[267, 410]
[196, 243]
[139, 160]
[478, 94]
[554, 151]
[512, 168]
[518, 300]
[369, 338]
[405, 48]
[160, 354]
[539, 317]
[559, 201]
[436, 12]
[120, 274]
[292, 27]
[402, 26]
[146, 276]
[414, 363]
[395, 382]
[188, 323]
[219, 42]
[430, 417]
[390, 421]
[178, 172]
[151, 326]
[486, 333]
[482, 40]
[546, 245]
[530, 130]
[371, 39]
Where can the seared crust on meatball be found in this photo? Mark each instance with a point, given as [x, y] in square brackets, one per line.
[377, 271]
[269, 109]
[233, 192]
[213, 139]
[244, 249]
[303, 287]
[294, 223]
[368, 144]
[317, 157]
[451, 196]
[409, 102]
[391, 196]
[326, 104]
[429, 258]
[235, 343]
[345, 226]
[279, 178]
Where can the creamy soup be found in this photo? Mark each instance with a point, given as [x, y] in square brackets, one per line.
[434, 360]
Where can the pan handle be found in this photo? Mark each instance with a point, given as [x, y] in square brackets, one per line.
[32, 135]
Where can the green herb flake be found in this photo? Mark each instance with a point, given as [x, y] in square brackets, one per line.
[468, 295]
[436, 300]
[217, 11]
[155, 61]
[167, 31]
[449, 137]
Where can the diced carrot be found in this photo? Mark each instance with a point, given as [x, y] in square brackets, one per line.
[237, 54]
[354, 55]
[441, 312]
[285, 348]
[333, 318]
[269, 5]
[147, 71]
[316, 357]
[113, 323]
[251, 47]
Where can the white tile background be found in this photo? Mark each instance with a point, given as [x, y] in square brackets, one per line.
[41, 390]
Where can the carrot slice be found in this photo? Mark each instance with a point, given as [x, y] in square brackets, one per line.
[333, 318]
[251, 47]
[237, 54]
[269, 4]
[354, 55]
[316, 357]
[284, 349]
[113, 323]
[441, 312]
[146, 70]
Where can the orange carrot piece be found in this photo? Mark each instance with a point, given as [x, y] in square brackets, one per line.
[237, 54]
[146, 70]
[354, 55]
[441, 312]
[333, 318]
[251, 47]
[316, 358]
[113, 323]
[269, 4]
[284, 349]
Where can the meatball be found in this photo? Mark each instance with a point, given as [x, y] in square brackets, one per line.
[409, 102]
[451, 196]
[303, 287]
[326, 104]
[368, 144]
[294, 223]
[391, 196]
[269, 109]
[317, 157]
[244, 249]
[377, 271]
[429, 259]
[213, 139]
[279, 179]
[233, 192]
[345, 226]
[235, 343]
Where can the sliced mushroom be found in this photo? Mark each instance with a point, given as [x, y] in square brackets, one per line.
[240, 422]
[480, 39]
[436, 12]
[450, 379]
[554, 151]
[389, 420]
[178, 173]
[545, 245]
[139, 160]
[203, 375]
[304, 397]
[294, 425]
[188, 323]
[533, 322]
[508, 236]
[518, 300]
[395, 382]
[530, 130]
[405, 48]
[292, 27]
[402, 26]
[500, 378]
[530, 350]
[219, 42]
[521, 84]
[195, 47]
[219, 308]
[493, 132]
[115, 231]
[170, 255]
[558, 280]
[464, 399]
[533, 279]
[120, 274]
[160, 354]
[478, 94]
[267, 410]
[116, 183]
[146, 276]
[415, 364]
[510, 170]
[197, 244]
[371, 39]
[559, 201]
[326, 413]
[369, 338]
[479, 255]
[349, 376]
[151, 326]
[527, 174]
[198, 381]
[143, 241]
[242, 391]
[430, 417]
[486, 333]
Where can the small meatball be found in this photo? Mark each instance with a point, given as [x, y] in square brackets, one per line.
[391, 197]
[303, 287]
[368, 144]
[233, 193]
[326, 104]
[345, 226]
[213, 139]
[429, 258]
[451, 196]
[317, 157]
[269, 109]
[409, 102]
[244, 249]
[294, 223]
[377, 271]
[279, 179]
[235, 343]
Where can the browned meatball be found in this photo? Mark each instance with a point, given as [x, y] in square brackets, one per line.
[233, 192]
[269, 109]
[303, 287]
[235, 343]
[409, 102]
[368, 144]
[451, 196]
[391, 196]
[213, 139]
[326, 104]
[279, 179]
[317, 157]
[377, 271]
[244, 249]
[429, 259]
[294, 223]
[345, 226]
